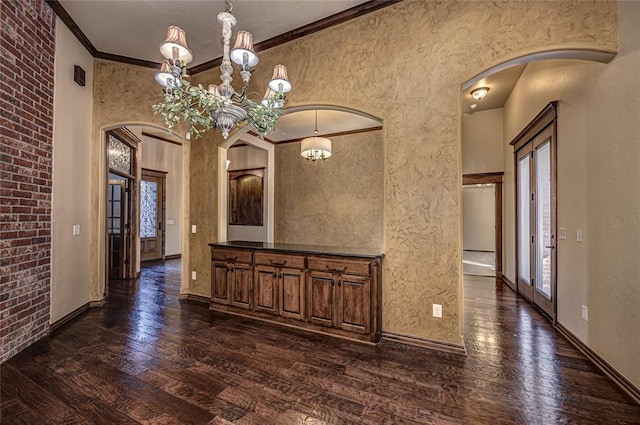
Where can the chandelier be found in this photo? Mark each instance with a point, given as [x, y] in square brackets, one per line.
[315, 148]
[217, 106]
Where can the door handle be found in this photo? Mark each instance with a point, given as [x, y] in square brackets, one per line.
[276, 264]
[230, 258]
[550, 247]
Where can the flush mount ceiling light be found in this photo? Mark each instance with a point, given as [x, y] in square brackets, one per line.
[218, 106]
[479, 93]
[315, 148]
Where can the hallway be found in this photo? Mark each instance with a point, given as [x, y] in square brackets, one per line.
[147, 357]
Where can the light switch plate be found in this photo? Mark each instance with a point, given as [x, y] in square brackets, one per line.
[193, 228]
[562, 233]
[585, 313]
[437, 311]
[193, 275]
[579, 235]
[76, 230]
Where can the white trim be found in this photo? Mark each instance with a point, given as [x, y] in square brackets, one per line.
[581, 54]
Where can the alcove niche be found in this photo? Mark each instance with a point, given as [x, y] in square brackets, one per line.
[338, 201]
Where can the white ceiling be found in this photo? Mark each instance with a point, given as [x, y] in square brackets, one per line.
[500, 86]
[135, 28]
[300, 124]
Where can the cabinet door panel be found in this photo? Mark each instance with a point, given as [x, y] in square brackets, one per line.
[354, 303]
[241, 281]
[320, 295]
[220, 287]
[266, 287]
[291, 293]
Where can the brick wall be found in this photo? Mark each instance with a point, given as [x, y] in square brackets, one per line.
[27, 44]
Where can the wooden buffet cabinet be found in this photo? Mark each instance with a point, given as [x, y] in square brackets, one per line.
[323, 289]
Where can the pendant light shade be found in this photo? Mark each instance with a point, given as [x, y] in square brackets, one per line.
[268, 95]
[176, 38]
[280, 81]
[164, 74]
[244, 46]
[315, 148]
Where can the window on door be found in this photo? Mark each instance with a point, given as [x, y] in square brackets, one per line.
[535, 154]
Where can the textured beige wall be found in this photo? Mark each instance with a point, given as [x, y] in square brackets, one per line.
[337, 202]
[404, 64]
[71, 168]
[162, 156]
[598, 192]
[482, 142]
[123, 94]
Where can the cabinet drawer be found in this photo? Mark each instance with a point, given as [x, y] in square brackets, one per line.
[232, 256]
[339, 265]
[279, 260]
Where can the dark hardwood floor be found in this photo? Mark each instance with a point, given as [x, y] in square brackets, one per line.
[148, 358]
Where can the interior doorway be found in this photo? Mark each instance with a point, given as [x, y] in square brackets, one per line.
[482, 225]
[478, 230]
[152, 214]
[121, 204]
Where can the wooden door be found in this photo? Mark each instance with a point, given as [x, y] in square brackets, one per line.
[116, 231]
[320, 298]
[354, 303]
[152, 212]
[291, 293]
[241, 283]
[266, 289]
[220, 284]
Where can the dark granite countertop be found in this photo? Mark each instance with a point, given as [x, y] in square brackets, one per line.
[301, 249]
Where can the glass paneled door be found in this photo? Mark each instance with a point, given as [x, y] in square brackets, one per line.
[536, 223]
[152, 197]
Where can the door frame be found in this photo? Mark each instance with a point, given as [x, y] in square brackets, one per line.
[162, 176]
[495, 178]
[545, 120]
[128, 138]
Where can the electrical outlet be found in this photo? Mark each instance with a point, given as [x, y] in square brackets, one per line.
[437, 311]
[193, 275]
[585, 313]
[193, 228]
[76, 230]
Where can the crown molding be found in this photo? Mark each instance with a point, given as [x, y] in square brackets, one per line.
[321, 24]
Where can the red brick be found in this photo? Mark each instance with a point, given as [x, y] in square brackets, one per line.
[27, 48]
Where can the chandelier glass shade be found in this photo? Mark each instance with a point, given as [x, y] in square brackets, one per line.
[217, 106]
[315, 148]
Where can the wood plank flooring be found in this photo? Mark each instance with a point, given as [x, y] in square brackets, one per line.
[148, 358]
